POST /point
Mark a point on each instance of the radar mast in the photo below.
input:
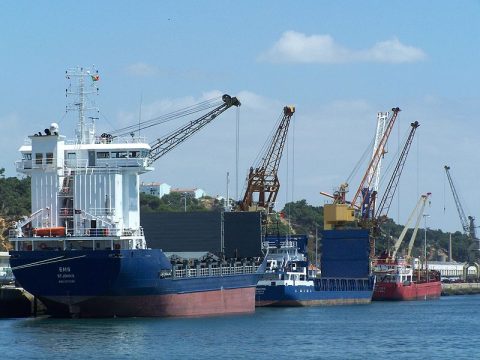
(83, 82)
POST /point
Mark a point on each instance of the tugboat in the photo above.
(83, 253)
(291, 281)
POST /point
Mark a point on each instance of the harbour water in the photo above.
(439, 329)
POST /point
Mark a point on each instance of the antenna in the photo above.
(140, 113)
(81, 89)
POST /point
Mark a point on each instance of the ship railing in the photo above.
(44, 165)
(94, 242)
(66, 212)
(343, 284)
(121, 140)
(132, 232)
(106, 164)
(23, 165)
(99, 232)
(122, 162)
(76, 163)
(106, 211)
(215, 271)
(109, 140)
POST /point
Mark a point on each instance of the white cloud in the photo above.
(392, 51)
(295, 47)
(142, 69)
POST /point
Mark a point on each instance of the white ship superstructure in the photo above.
(86, 188)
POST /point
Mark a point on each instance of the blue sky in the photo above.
(339, 62)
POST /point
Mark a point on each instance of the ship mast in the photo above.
(84, 132)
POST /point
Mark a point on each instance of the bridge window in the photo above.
(103, 155)
(27, 156)
(49, 158)
(38, 158)
(119, 154)
(134, 154)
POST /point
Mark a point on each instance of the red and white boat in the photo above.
(397, 279)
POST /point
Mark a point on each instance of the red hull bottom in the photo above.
(413, 291)
(207, 303)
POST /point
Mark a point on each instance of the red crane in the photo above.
(375, 160)
(387, 198)
(263, 178)
(342, 211)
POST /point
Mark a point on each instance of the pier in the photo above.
(460, 289)
(16, 302)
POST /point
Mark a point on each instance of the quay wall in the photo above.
(460, 289)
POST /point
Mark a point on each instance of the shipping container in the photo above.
(345, 253)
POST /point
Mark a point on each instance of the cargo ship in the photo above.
(398, 279)
(291, 281)
(83, 253)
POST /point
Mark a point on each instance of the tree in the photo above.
(173, 202)
(14, 203)
(303, 217)
(14, 196)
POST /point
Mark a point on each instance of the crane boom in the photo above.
(263, 179)
(374, 176)
(170, 141)
(468, 224)
(375, 159)
(419, 207)
(387, 198)
(369, 194)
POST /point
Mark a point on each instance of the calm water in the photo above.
(443, 329)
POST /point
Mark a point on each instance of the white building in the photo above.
(195, 192)
(155, 189)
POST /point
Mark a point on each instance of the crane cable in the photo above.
(258, 159)
(393, 161)
(360, 161)
(189, 110)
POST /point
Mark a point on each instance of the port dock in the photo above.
(460, 289)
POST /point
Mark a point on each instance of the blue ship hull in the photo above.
(320, 292)
(105, 283)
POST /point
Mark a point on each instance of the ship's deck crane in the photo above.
(165, 144)
(263, 178)
(341, 211)
(419, 208)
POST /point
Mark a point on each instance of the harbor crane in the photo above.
(342, 211)
(165, 144)
(374, 175)
(263, 177)
(386, 201)
(468, 223)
